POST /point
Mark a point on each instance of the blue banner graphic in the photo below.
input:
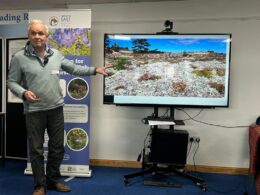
(72, 37)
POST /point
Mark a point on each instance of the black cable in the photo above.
(190, 118)
(188, 152)
(165, 115)
(210, 187)
(194, 165)
(211, 124)
(145, 145)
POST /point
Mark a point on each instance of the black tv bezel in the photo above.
(105, 97)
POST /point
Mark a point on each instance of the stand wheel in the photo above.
(126, 181)
(202, 186)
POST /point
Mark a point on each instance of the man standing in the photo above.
(34, 77)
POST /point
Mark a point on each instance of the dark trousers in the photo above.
(37, 123)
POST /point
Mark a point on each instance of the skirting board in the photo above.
(198, 168)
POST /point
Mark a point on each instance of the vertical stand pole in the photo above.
(156, 115)
(172, 117)
(2, 115)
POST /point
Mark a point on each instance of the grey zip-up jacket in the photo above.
(28, 72)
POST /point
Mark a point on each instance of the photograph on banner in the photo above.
(78, 88)
(69, 41)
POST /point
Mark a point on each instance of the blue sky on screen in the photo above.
(177, 44)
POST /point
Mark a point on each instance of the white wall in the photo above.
(117, 132)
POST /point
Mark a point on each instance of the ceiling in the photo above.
(42, 4)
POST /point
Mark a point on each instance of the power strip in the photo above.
(162, 183)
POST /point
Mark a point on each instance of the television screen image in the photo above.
(167, 69)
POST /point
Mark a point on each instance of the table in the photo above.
(2, 129)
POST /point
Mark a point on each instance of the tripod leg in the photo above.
(139, 173)
(198, 181)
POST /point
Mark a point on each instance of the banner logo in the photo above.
(54, 21)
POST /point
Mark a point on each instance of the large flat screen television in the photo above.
(183, 70)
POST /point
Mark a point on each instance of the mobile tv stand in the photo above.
(159, 161)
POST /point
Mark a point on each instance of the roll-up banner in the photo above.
(2, 97)
(2, 78)
(13, 23)
(70, 33)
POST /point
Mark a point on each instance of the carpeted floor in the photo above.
(110, 181)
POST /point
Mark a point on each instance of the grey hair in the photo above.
(38, 22)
